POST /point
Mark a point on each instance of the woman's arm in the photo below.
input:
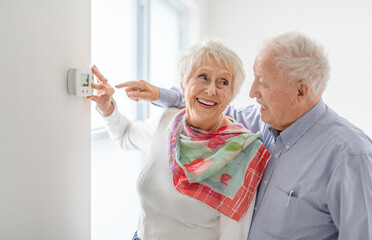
(231, 229)
(104, 92)
(130, 135)
(127, 134)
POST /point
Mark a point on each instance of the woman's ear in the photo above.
(182, 87)
(231, 95)
(183, 91)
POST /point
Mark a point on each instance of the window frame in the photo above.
(142, 40)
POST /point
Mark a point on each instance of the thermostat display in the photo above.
(79, 82)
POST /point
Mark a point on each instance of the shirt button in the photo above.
(265, 181)
(255, 208)
(287, 147)
(276, 155)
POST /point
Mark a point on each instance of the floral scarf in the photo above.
(220, 168)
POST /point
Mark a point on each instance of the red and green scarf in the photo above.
(220, 168)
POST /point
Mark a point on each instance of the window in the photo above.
(162, 69)
(128, 42)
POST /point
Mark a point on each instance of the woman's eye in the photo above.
(223, 82)
(203, 76)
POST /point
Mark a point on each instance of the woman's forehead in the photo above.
(211, 62)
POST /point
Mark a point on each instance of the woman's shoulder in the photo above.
(166, 117)
(169, 113)
(172, 111)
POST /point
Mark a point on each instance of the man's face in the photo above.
(276, 95)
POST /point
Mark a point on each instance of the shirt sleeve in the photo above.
(349, 197)
(172, 98)
(130, 135)
(231, 229)
(249, 116)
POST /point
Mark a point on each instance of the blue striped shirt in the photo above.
(318, 183)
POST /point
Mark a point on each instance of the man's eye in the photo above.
(260, 82)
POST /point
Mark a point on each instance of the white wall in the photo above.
(44, 132)
(343, 27)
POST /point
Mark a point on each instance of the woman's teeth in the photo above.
(206, 103)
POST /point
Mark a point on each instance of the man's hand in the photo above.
(103, 97)
(140, 90)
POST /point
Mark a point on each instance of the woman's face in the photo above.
(207, 92)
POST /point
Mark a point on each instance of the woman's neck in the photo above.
(206, 125)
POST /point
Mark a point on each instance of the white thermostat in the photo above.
(79, 82)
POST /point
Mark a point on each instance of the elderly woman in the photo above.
(201, 169)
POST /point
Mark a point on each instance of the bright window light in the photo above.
(116, 45)
(165, 43)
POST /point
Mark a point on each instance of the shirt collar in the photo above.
(297, 129)
(274, 132)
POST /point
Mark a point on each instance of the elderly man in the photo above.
(318, 183)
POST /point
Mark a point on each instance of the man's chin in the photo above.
(264, 116)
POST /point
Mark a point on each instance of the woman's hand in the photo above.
(140, 90)
(103, 97)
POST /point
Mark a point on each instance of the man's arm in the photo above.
(170, 98)
(142, 90)
(349, 197)
(249, 116)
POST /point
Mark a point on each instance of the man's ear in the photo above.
(304, 90)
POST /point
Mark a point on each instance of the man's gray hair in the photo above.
(204, 50)
(301, 58)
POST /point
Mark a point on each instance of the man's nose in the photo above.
(253, 93)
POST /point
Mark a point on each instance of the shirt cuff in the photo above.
(113, 114)
(170, 98)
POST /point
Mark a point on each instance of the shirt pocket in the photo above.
(281, 214)
(296, 218)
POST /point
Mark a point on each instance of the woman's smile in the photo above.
(207, 93)
(206, 103)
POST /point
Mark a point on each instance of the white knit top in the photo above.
(165, 213)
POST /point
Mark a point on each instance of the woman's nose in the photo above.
(211, 89)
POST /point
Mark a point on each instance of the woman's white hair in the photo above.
(204, 50)
(301, 58)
